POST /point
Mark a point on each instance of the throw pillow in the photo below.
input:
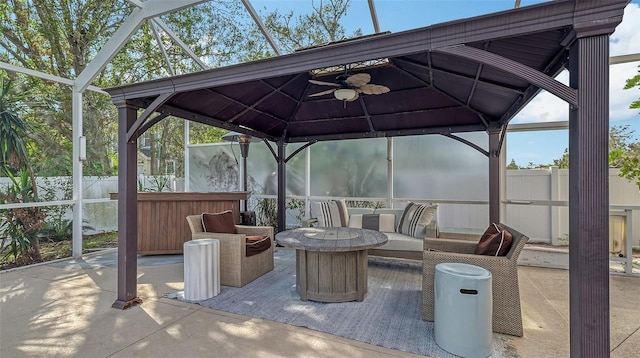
(378, 222)
(257, 244)
(331, 213)
(219, 222)
(415, 218)
(496, 241)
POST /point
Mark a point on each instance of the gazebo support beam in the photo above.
(127, 210)
(589, 196)
(282, 186)
(494, 175)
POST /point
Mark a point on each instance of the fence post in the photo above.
(555, 210)
(628, 267)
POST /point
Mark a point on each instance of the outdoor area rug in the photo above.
(390, 315)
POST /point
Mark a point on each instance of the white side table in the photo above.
(463, 310)
(201, 269)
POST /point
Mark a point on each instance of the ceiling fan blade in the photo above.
(358, 79)
(373, 89)
(354, 98)
(322, 83)
(322, 93)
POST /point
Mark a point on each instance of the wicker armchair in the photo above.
(507, 314)
(236, 269)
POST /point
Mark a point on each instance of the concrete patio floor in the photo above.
(63, 309)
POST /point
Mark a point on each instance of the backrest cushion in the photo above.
(415, 218)
(331, 213)
(397, 212)
(219, 222)
(352, 211)
(496, 241)
(378, 222)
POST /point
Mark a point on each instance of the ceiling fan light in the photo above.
(345, 94)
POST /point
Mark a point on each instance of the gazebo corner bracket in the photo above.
(159, 101)
(470, 144)
(303, 147)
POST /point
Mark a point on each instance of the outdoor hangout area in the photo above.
(344, 196)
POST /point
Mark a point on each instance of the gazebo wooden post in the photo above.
(495, 175)
(127, 209)
(282, 186)
(589, 191)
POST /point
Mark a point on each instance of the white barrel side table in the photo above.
(463, 309)
(201, 269)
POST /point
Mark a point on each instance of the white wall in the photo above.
(525, 188)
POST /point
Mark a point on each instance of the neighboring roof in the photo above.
(460, 76)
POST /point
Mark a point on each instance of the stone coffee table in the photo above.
(331, 262)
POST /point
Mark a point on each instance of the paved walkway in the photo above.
(63, 309)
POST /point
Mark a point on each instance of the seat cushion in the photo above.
(331, 213)
(496, 241)
(378, 222)
(415, 219)
(257, 244)
(219, 222)
(400, 242)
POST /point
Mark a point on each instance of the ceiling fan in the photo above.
(348, 87)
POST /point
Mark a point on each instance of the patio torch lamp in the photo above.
(243, 140)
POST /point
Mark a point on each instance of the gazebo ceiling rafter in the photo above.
(536, 78)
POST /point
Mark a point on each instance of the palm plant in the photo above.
(21, 225)
(15, 159)
(12, 129)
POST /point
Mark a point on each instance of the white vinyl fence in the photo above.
(536, 204)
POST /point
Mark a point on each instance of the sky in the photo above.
(525, 148)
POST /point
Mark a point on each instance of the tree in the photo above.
(629, 159)
(563, 162)
(319, 27)
(513, 165)
(625, 154)
(60, 37)
(632, 83)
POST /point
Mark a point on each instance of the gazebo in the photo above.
(472, 75)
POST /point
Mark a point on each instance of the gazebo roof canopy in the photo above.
(469, 75)
(460, 76)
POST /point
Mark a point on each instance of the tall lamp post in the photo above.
(243, 140)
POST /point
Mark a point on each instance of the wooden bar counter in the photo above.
(162, 223)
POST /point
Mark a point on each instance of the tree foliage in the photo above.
(634, 82)
(61, 37)
(319, 27)
(12, 129)
(513, 165)
(562, 162)
(625, 154)
(19, 227)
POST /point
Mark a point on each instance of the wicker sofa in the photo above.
(398, 245)
(236, 268)
(507, 315)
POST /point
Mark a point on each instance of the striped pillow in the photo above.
(415, 218)
(331, 213)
